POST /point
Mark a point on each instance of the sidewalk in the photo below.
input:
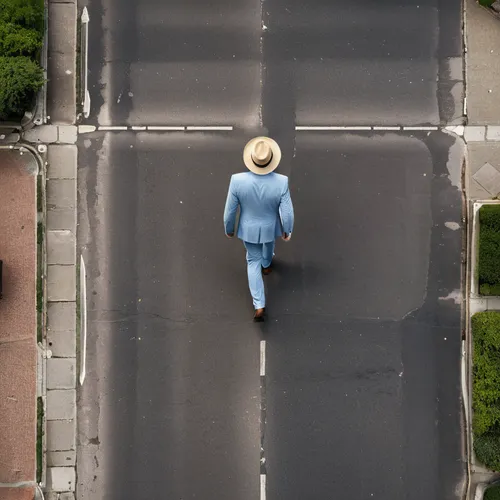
(483, 102)
(18, 325)
(482, 176)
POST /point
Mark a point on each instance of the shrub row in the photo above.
(486, 387)
(489, 250)
(21, 38)
(492, 493)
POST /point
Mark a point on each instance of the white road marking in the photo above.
(137, 127)
(165, 128)
(420, 128)
(262, 358)
(86, 129)
(196, 128)
(83, 320)
(346, 128)
(85, 34)
(333, 127)
(262, 487)
(111, 128)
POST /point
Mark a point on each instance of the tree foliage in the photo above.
(20, 79)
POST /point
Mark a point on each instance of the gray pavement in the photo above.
(61, 72)
(362, 389)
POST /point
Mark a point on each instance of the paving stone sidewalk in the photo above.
(61, 187)
(18, 324)
(482, 175)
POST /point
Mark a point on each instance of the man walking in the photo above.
(266, 212)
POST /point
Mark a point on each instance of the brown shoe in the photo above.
(259, 314)
(267, 270)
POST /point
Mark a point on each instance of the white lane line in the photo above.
(85, 45)
(420, 128)
(262, 487)
(333, 127)
(111, 128)
(138, 128)
(343, 128)
(262, 358)
(83, 320)
(196, 128)
(165, 128)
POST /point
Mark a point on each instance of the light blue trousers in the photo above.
(259, 255)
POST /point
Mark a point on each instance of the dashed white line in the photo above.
(200, 129)
(138, 128)
(110, 128)
(333, 127)
(165, 128)
(83, 320)
(347, 128)
(420, 128)
(262, 487)
(262, 358)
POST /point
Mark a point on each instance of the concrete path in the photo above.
(18, 325)
(482, 174)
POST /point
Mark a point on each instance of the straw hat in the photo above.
(262, 155)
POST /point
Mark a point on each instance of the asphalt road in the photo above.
(361, 394)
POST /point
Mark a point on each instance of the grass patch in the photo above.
(486, 3)
(39, 280)
(486, 387)
(492, 493)
(39, 439)
(489, 250)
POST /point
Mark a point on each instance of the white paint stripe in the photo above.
(136, 127)
(420, 128)
(165, 128)
(112, 128)
(262, 358)
(262, 487)
(83, 320)
(386, 128)
(333, 127)
(358, 128)
(196, 128)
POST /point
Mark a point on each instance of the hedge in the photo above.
(489, 250)
(16, 40)
(27, 13)
(492, 493)
(20, 78)
(21, 36)
(486, 387)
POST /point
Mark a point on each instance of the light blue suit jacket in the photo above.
(266, 210)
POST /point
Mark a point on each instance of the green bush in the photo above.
(486, 387)
(20, 79)
(27, 13)
(486, 371)
(492, 493)
(16, 40)
(489, 250)
(21, 37)
(487, 449)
